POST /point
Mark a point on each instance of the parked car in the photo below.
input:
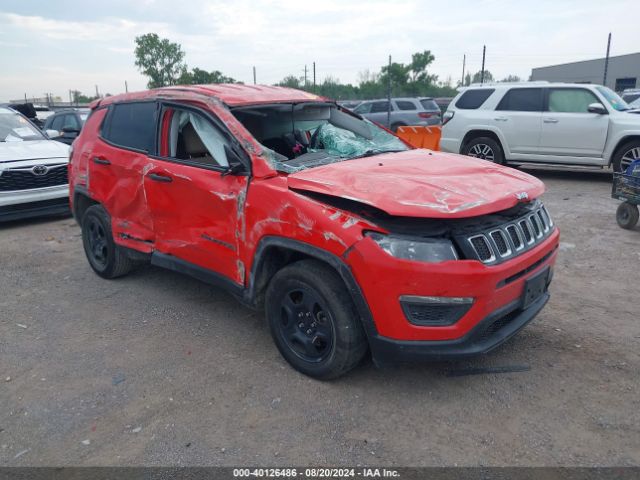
(33, 170)
(350, 104)
(631, 95)
(404, 111)
(541, 122)
(67, 123)
(349, 239)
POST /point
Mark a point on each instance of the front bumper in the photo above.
(383, 282)
(494, 330)
(34, 203)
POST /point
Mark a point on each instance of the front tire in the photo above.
(105, 257)
(626, 154)
(313, 321)
(484, 148)
(627, 215)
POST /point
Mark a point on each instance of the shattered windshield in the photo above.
(306, 135)
(15, 128)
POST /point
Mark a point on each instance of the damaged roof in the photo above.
(232, 94)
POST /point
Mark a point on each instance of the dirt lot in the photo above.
(159, 369)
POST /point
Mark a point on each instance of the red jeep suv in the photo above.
(351, 240)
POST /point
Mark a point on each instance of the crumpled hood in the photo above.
(32, 149)
(420, 183)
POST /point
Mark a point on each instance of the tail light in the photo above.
(447, 117)
(425, 115)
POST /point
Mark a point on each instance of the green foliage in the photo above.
(412, 79)
(511, 78)
(159, 59)
(198, 76)
(488, 77)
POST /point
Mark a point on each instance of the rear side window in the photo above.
(522, 100)
(472, 99)
(429, 104)
(379, 107)
(132, 125)
(405, 105)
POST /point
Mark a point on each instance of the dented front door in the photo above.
(197, 215)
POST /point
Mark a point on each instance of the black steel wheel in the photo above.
(627, 215)
(313, 320)
(105, 257)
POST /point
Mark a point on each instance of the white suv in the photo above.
(541, 122)
(33, 170)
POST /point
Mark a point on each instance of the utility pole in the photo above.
(314, 75)
(25, 98)
(305, 76)
(126, 87)
(97, 93)
(389, 95)
(484, 51)
(606, 61)
(254, 75)
(464, 62)
(70, 101)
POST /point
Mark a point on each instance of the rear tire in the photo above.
(484, 148)
(626, 154)
(105, 257)
(313, 320)
(394, 127)
(627, 215)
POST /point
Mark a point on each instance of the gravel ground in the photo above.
(159, 369)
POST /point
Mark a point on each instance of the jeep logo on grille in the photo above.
(40, 170)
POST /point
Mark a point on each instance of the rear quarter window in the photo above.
(428, 104)
(405, 105)
(472, 99)
(132, 125)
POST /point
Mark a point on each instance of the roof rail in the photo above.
(493, 84)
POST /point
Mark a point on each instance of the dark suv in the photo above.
(347, 237)
(67, 123)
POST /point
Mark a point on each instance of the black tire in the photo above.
(627, 215)
(625, 155)
(105, 257)
(485, 148)
(394, 127)
(331, 340)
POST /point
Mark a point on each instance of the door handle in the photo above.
(550, 120)
(501, 119)
(101, 161)
(160, 178)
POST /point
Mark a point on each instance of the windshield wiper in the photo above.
(371, 153)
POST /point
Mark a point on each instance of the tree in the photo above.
(198, 76)
(159, 59)
(291, 81)
(488, 77)
(511, 78)
(418, 67)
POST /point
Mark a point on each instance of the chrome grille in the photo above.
(27, 178)
(513, 238)
(483, 248)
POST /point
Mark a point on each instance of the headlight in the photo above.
(421, 250)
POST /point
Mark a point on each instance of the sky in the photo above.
(54, 46)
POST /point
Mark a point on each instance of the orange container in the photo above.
(421, 137)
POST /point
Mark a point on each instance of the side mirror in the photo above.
(53, 133)
(70, 130)
(235, 163)
(597, 108)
